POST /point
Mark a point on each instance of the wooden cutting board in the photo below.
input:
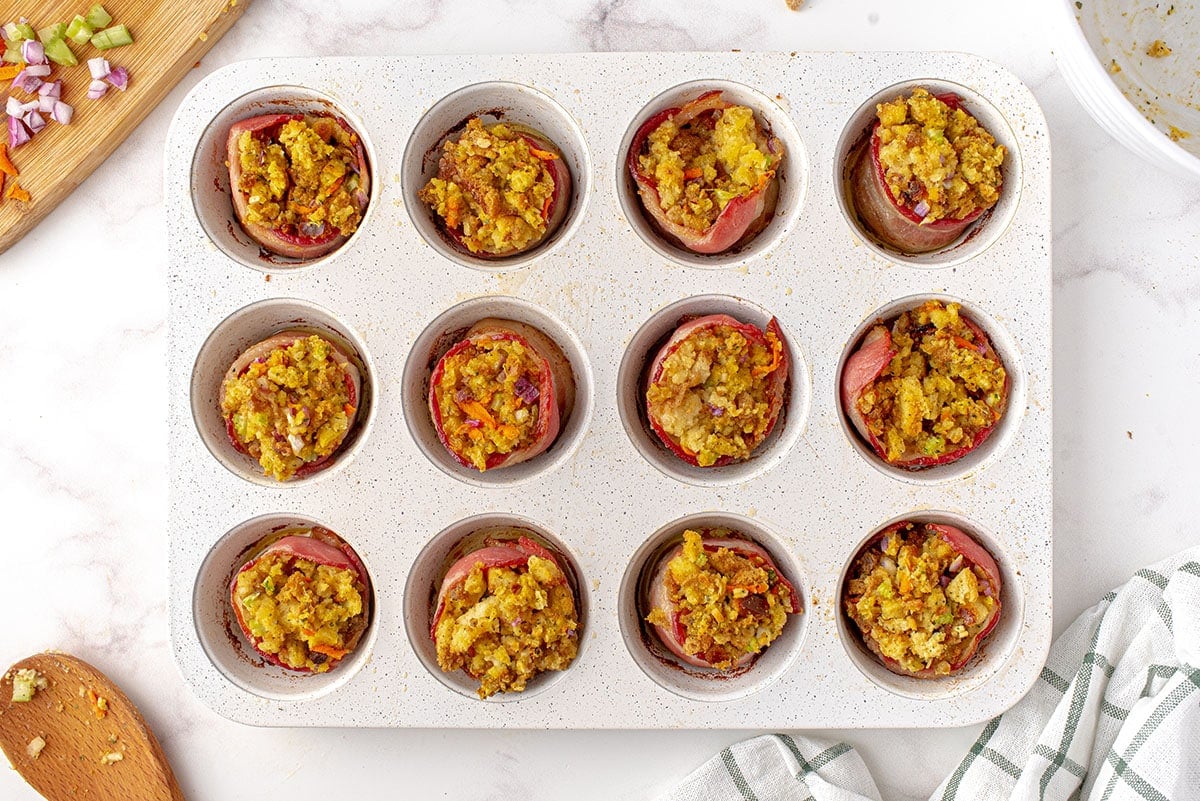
(169, 38)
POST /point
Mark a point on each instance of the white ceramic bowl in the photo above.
(1151, 105)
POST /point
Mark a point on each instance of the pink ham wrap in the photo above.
(740, 220)
(555, 388)
(674, 633)
(895, 223)
(290, 241)
(319, 546)
(867, 364)
(974, 554)
(259, 352)
(777, 378)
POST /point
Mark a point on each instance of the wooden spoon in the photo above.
(97, 746)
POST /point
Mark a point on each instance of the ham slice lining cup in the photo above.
(972, 554)
(555, 391)
(741, 220)
(893, 223)
(776, 388)
(672, 635)
(260, 351)
(322, 547)
(280, 241)
(867, 363)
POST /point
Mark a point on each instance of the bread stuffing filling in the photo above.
(506, 625)
(942, 389)
(291, 408)
(714, 394)
(305, 613)
(302, 180)
(919, 601)
(488, 396)
(728, 604)
(702, 165)
(494, 189)
(938, 161)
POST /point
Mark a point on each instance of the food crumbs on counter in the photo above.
(26, 683)
(794, 5)
(112, 757)
(1175, 134)
(1114, 67)
(1158, 49)
(99, 704)
(203, 36)
(34, 749)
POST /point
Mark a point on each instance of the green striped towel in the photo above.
(1115, 716)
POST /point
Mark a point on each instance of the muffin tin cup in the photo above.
(607, 494)
(997, 649)
(979, 235)
(424, 581)
(493, 102)
(664, 668)
(1005, 429)
(209, 180)
(227, 647)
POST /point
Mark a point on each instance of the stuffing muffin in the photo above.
(302, 600)
(299, 182)
(706, 173)
(926, 172)
(926, 388)
(290, 401)
(505, 613)
(923, 596)
(715, 389)
(500, 396)
(500, 189)
(717, 600)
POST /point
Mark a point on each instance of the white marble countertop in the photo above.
(82, 319)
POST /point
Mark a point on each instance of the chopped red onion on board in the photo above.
(99, 68)
(51, 89)
(62, 113)
(119, 78)
(97, 89)
(18, 134)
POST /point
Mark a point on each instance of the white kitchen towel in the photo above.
(1115, 716)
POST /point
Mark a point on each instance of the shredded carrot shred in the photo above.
(9, 71)
(328, 650)
(962, 343)
(6, 165)
(776, 357)
(16, 192)
(476, 410)
(544, 155)
(693, 172)
(99, 704)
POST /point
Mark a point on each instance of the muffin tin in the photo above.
(606, 288)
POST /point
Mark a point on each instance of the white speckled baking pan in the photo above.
(606, 290)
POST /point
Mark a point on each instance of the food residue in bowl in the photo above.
(26, 683)
(1158, 49)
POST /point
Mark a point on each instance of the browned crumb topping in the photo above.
(494, 188)
(291, 408)
(714, 393)
(918, 600)
(304, 179)
(939, 391)
(729, 605)
(504, 626)
(938, 161)
(701, 166)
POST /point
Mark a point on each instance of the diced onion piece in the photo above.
(12, 106)
(38, 70)
(99, 68)
(33, 52)
(51, 89)
(46, 103)
(62, 113)
(35, 121)
(18, 134)
(119, 78)
(96, 90)
(26, 82)
(32, 105)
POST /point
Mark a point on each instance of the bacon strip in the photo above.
(279, 240)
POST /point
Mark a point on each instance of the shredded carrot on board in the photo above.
(9, 71)
(6, 165)
(17, 193)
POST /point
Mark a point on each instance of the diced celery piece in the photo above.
(58, 51)
(98, 18)
(12, 54)
(79, 31)
(51, 32)
(116, 36)
(18, 31)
